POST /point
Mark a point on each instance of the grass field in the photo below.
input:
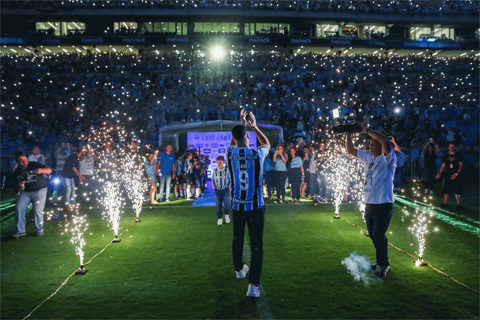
(177, 263)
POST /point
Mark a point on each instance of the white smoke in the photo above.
(359, 267)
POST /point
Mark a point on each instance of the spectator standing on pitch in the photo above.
(295, 174)
(401, 159)
(221, 185)
(312, 171)
(69, 173)
(151, 171)
(86, 167)
(380, 162)
(452, 166)
(166, 170)
(246, 169)
(179, 179)
(32, 188)
(280, 159)
(306, 180)
(268, 175)
(189, 178)
(430, 151)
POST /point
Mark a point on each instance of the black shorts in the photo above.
(179, 180)
(190, 179)
(452, 186)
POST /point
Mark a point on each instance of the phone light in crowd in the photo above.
(336, 113)
(397, 110)
(217, 52)
(56, 181)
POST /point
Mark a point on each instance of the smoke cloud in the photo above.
(359, 267)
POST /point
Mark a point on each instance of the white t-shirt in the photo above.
(379, 173)
(86, 165)
(39, 158)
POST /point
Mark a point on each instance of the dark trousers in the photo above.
(295, 178)
(429, 178)
(280, 178)
(255, 221)
(268, 175)
(378, 217)
(398, 178)
(313, 183)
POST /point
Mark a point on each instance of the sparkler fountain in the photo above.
(420, 222)
(133, 179)
(77, 226)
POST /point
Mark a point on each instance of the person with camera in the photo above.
(380, 163)
(151, 171)
(280, 159)
(246, 172)
(32, 188)
(295, 174)
(430, 150)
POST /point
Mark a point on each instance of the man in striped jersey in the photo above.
(246, 169)
(221, 185)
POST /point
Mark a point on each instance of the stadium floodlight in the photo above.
(217, 52)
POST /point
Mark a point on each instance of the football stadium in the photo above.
(237, 159)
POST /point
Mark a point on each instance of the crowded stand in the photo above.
(54, 97)
(399, 7)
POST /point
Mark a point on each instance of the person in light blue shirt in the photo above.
(268, 174)
(166, 170)
(280, 159)
(295, 174)
(151, 171)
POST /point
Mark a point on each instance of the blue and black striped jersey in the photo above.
(246, 173)
(221, 178)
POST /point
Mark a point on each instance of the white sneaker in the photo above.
(168, 200)
(220, 222)
(227, 218)
(242, 273)
(253, 291)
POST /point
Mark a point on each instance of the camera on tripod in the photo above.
(345, 124)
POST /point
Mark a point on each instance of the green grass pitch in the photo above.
(176, 264)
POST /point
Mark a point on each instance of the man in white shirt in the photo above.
(380, 163)
(87, 169)
(37, 156)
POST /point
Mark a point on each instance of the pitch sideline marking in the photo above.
(72, 274)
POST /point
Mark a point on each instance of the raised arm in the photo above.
(349, 146)
(261, 137)
(378, 136)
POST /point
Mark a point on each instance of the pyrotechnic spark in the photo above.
(77, 227)
(133, 179)
(420, 220)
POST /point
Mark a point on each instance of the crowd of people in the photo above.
(53, 97)
(416, 7)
